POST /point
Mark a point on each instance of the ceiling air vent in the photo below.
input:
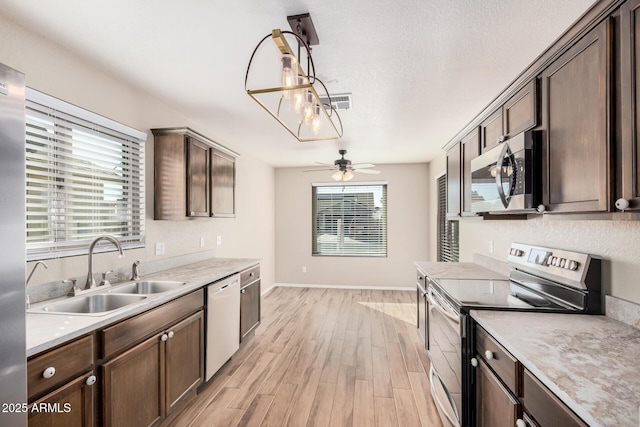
(339, 101)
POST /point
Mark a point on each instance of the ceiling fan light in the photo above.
(347, 176)
(337, 176)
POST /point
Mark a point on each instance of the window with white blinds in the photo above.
(350, 219)
(447, 230)
(85, 177)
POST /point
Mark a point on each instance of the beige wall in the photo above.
(407, 212)
(53, 70)
(616, 242)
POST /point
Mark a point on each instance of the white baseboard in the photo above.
(375, 288)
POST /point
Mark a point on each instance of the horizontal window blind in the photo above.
(349, 220)
(85, 177)
(447, 230)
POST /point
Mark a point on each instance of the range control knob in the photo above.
(562, 263)
(573, 265)
(552, 260)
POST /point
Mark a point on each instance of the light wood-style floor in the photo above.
(324, 357)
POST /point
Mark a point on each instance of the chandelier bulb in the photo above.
(289, 72)
(315, 123)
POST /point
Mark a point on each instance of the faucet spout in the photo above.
(91, 283)
(35, 266)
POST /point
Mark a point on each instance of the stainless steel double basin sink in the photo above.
(106, 300)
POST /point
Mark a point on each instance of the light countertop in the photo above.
(458, 270)
(589, 362)
(47, 330)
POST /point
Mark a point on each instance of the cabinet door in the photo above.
(470, 150)
(73, 404)
(197, 178)
(521, 110)
(491, 131)
(495, 405)
(223, 183)
(454, 181)
(576, 102)
(249, 308)
(184, 370)
(132, 386)
(629, 155)
(545, 407)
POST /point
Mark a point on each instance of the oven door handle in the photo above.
(436, 397)
(441, 309)
(506, 151)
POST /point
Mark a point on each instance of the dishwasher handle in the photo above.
(225, 287)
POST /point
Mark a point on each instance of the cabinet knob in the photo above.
(474, 362)
(243, 291)
(170, 334)
(49, 372)
(252, 274)
(541, 209)
(164, 337)
(622, 204)
(500, 139)
(91, 380)
(520, 423)
(488, 354)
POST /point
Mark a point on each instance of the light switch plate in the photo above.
(219, 240)
(159, 249)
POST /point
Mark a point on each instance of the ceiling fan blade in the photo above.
(363, 166)
(371, 171)
(325, 164)
(318, 170)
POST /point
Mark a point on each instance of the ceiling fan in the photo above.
(344, 169)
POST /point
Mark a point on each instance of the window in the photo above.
(85, 177)
(447, 230)
(350, 220)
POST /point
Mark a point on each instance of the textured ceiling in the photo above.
(419, 70)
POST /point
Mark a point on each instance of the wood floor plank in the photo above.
(256, 411)
(215, 410)
(385, 412)
(397, 367)
(342, 412)
(424, 403)
(350, 348)
(364, 359)
(408, 349)
(279, 410)
(250, 387)
(320, 415)
(274, 378)
(332, 362)
(303, 401)
(406, 409)
(381, 375)
(363, 404)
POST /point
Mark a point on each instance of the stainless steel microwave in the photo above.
(508, 178)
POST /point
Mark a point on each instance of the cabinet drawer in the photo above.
(544, 406)
(249, 275)
(122, 335)
(503, 364)
(69, 361)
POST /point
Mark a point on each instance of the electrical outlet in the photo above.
(304, 268)
(159, 248)
(202, 242)
(219, 240)
(491, 246)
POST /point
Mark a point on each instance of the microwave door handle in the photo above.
(503, 154)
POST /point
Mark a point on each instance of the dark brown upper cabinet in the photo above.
(576, 106)
(517, 114)
(470, 150)
(193, 176)
(454, 181)
(629, 154)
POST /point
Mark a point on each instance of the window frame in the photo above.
(384, 217)
(67, 144)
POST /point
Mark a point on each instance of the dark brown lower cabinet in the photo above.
(495, 405)
(69, 406)
(249, 308)
(545, 407)
(146, 383)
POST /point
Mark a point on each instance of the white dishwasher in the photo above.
(223, 322)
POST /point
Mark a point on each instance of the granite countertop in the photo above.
(589, 362)
(458, 270)
(46, 330)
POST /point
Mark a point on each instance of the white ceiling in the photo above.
(419, 70)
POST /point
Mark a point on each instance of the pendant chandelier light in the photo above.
(278, 80)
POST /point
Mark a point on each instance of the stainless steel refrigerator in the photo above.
(13, 363)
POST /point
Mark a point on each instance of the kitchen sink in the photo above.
(96, 304)
(148, 287)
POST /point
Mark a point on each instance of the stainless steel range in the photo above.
(541, 279)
